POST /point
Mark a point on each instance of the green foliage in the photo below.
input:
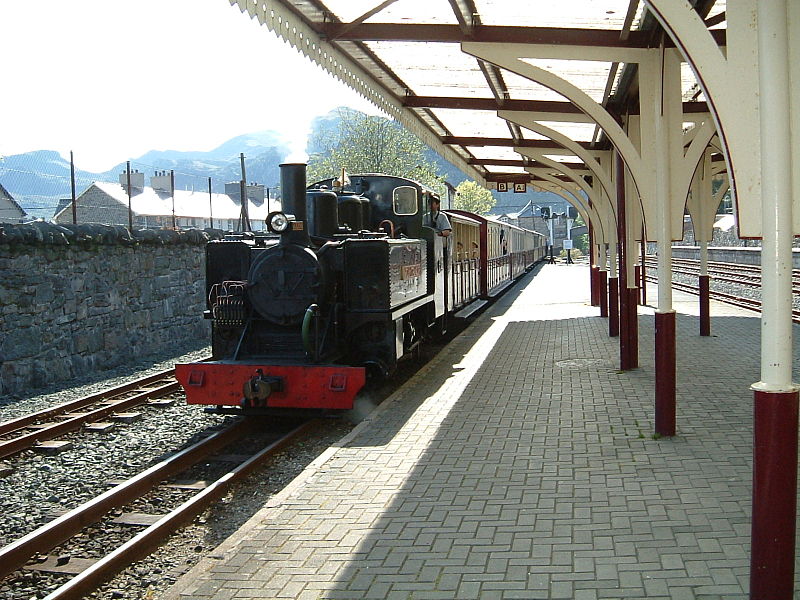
(575, 253)
(582, 243)
(473, 197)
(371, 144)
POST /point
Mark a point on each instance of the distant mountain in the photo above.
(249, 144)
(38, 179)
(263, 150)
(46, 178)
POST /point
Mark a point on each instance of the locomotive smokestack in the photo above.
(293, 190)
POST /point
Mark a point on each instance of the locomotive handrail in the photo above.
(311, 314)
(391, 227)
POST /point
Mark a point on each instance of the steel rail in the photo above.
(149, 539)
(745, 275)
(21, 422)
(27, 440)
(45, 538)
(740, 301)
(721, 266)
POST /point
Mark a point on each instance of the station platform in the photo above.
(521, 463)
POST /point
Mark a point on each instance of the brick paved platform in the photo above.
(520, 463)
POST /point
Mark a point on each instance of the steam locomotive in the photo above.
(348, 281)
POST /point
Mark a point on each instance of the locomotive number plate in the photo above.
(410, 271)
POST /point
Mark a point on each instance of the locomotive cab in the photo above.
(397, 207)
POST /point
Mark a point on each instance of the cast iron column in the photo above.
(775, 396)
(665, 315)
(704, 283)
(613, 293)
(626, 350)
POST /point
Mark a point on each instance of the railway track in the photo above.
(37, 428)
(86, 574)
(745, 276)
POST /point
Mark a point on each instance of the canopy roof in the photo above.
(407, 57)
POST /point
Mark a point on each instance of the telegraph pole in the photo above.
(210, 206)
(72, 182)
(130, 210)
(172, 189)
(245, 218)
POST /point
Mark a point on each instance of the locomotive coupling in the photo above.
(258, 388)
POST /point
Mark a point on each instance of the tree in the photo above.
(474, 198)
(370, 144)
(582, 243)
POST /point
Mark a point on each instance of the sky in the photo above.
(111, 80)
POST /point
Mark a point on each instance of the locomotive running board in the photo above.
(499, 289)
(470, 309)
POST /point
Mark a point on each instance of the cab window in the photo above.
(404, 200)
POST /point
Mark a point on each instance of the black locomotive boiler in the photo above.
(348, 280)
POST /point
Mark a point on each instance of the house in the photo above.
(530, 218)
(155, 206)
(10, 211)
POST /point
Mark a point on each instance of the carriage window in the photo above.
(404, 200)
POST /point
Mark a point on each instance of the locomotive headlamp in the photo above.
(277, 222)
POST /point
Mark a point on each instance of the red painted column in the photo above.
(613, 307)
(774, 495)
(665, 374)
(705, 304)
(624, 295)
(638, 279)
(603, 293)
(624, 316)
(633, 328)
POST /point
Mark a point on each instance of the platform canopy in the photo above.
(414, 59)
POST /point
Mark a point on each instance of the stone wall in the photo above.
(73, 303)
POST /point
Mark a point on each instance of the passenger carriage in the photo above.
(504, 251)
